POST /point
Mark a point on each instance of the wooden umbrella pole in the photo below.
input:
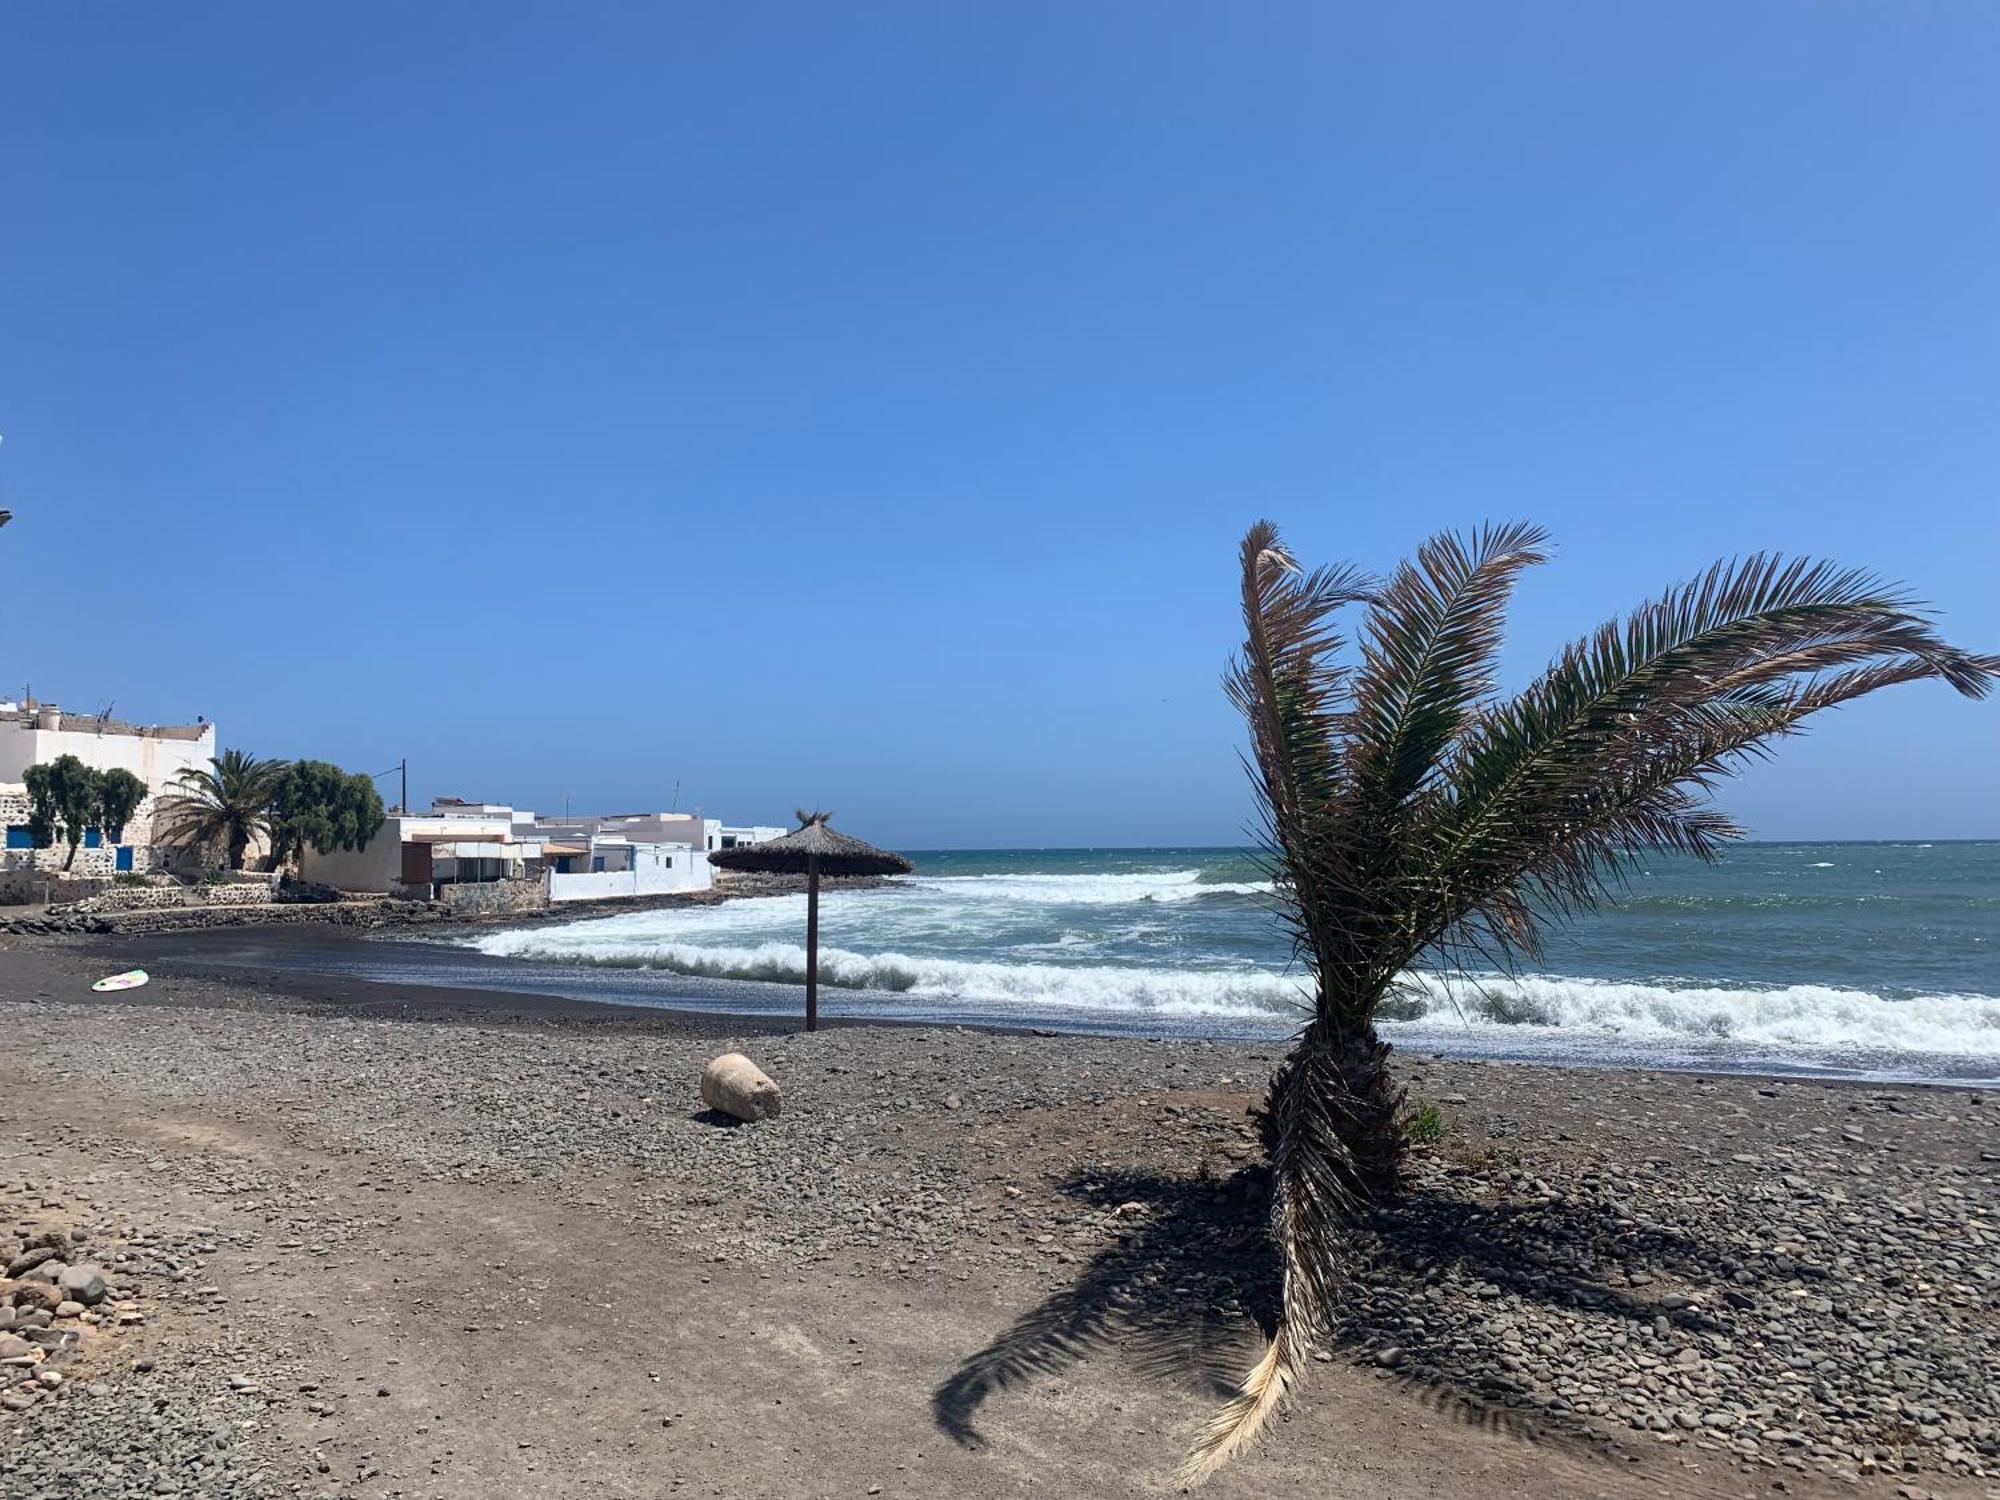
(812, 943)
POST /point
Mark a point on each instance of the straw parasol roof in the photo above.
(812, 842)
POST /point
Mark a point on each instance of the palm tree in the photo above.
(1412, 819)
(228, 804)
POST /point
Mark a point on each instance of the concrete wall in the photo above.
(684, 869)
(376, 867)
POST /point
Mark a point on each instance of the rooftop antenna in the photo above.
(675, 805)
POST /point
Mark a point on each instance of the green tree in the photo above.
(228, 805)
(65, 796)
(1413, 819)
(319, 806)
(119, 794)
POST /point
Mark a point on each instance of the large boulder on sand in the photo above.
(737, 1086)
(83, 1284)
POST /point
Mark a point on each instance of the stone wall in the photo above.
(163, 897)
(20, 887)
(495, 897)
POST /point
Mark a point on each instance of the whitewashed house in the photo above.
(455, 843)
(627, 854)
(34, 734)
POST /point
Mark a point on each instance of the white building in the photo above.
(628, 854)
(461, 843)
(33, 734)
(737, 835)
(455, 843)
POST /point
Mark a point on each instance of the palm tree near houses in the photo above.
(227, 806)
(1414, 819)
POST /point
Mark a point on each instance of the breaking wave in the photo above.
(1819, 1017)
(1180, 992)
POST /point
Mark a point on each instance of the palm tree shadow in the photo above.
(1182, 1296)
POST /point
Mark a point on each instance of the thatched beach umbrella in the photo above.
(812, 850)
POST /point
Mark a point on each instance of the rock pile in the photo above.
(51, 1294)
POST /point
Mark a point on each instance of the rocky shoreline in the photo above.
(1777, 1286)
(369, 914)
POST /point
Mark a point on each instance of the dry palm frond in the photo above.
(1317, 1188)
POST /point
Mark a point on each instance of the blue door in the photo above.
(124, 856)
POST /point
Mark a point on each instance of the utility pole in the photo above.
(401, 768)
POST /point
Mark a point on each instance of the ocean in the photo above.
(1868, 960)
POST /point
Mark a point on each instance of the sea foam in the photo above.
(1818, 1017)
(1126, 945)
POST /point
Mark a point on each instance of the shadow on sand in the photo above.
(1186, 1296)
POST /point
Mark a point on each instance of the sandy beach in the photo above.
(372, 1241)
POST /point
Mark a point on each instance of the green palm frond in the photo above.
(1602, 757)
(1427, 654)
(1410, 819)
(229, 804)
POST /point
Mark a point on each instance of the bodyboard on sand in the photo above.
(131, 979)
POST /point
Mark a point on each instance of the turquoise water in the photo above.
(1869, 958)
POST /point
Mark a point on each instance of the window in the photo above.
(18, 836)
(92, 838)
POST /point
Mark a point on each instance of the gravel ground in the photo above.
(1791, 1282)
(108, 1411)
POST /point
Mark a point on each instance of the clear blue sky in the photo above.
(860, 405)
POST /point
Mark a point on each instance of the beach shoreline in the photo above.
(430, 973)
(1603, 1282)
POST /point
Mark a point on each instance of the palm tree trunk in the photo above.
(1335, 1141)
(1368, 1110)
(1333, 1130)
(1346, 1072)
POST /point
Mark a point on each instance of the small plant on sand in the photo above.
(1413, 819)
(1424, 1125)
